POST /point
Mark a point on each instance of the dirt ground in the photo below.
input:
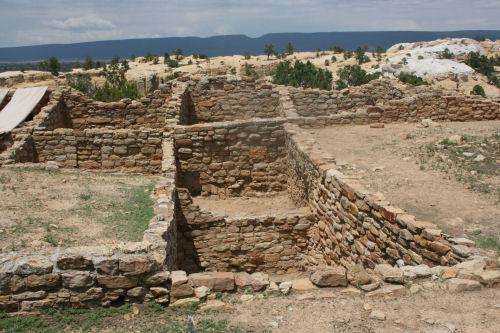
(432, 310)
(387, 160)
(256, 206)
(42, 209)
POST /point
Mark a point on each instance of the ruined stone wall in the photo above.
(231, 158)
(226, 98)
(270, 243)
(148, 112)
(352, 225)
(127, 150)
(102, 275)
(316, 102)
(380, 101)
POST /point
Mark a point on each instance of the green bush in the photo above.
(250, 71)
(478, 90)
(338, 49)
(353, 76)
(115, 88)
(447, 54)
(172, 63)
(412, 79)
(302, 75)
(480, 63)
(347, 54)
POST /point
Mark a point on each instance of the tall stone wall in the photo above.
(150, 111)
(270, 243)
(227, 98)
(231, 158)
(354, 226)
(127, 150)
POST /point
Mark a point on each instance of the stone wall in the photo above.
(316, 102)
(148, 112)
(226, 98)
(353, 225)
(126, 150)
(269, 243)
(231, 158)
(97, 276)
(380, 101)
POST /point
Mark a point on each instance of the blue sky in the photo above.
(28, 22)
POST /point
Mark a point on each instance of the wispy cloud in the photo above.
(25, 22)
(88, 22)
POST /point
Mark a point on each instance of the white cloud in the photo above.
(88, 22)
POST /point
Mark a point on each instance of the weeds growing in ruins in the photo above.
(151, 317)
(473, 160)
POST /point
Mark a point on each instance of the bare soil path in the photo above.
(433, 310)
(387, 160)
(254, 206)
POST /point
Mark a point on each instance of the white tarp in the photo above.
(20, 106)
(3, 93)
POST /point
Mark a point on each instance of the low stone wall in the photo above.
(380, 101)
(103, 275)
(227, 98)
(316, 102)
(148, 112)
(126, 150)
(354, 226)
(231, 158)
(267, 243)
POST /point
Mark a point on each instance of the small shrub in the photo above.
(420, 57)
(347, 54)
(353, 76)
(401, 47)
(447, 54)
(334, 59)
(327, 62)
(412, 79)
(478, 90)
(404, 61)
(338, 49)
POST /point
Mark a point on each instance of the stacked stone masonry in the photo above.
(221, 99)
(270, 243)
(203, 137)
(232, 158)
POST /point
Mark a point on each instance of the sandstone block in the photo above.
(77, 279)
(35, 265)
(391, 290)
(136, 265)
(459, 285)
(214, 280)
(117, 282)
(330, 277)
(157, 279)
(46, 280)
(244, 279)
(73, 261)
(389, 273)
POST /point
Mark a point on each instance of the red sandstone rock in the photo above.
(330, 277)
(244, 279)
(214, 280)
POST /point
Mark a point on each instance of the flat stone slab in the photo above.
(459, 285)
(218, 281)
